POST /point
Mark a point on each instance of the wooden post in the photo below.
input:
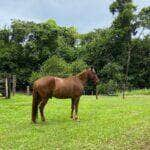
(123, 91)
(9, 86)
(14, 85)
(28, 90)
(96, 93)
(84, 92)
(6, 87)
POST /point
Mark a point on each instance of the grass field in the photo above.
(107, 123)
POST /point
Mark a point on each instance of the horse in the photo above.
(62, 88)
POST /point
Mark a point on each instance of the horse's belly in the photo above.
(62, 93)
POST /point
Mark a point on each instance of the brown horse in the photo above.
(71, 87)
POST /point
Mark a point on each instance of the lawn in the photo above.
(106, 123)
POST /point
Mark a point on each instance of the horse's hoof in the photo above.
(43, 120)
(34, 122)
(75, 118)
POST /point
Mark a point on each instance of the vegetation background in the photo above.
(30, 50)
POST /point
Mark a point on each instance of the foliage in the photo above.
(98, 49)
(124, 26)
(27, 45)
(78, 66)
(28, 48)
(144, 17)
(140, 60)
(112, 71)
(57, 66)
(108, 88)
(111, 79)
(54, 66)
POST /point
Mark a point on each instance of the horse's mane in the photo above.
(82, 75)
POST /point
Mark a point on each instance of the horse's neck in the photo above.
(82, 77)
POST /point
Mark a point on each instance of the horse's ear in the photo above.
(92, 68)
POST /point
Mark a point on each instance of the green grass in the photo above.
(106, 123)
(138, 92)
(135, 92)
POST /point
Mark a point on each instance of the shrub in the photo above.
(56, 66)
(109, 88)
(111, 79)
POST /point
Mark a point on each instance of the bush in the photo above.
(112, 71)
(56, 66)
(111, 79)
(109, 88)
(77, 66)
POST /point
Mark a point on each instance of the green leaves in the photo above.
(27, 45)
(124, 23)
(57, 66)
(48, 49)
(144, 17)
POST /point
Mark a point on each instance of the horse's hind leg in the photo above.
(41, 107)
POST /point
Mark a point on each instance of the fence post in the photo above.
(96, 93)
(14, 85)
(6, 87)
(28, 90)
(123, 91)
(9, 86)
(84, 92)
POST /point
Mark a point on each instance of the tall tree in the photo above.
(124, 27)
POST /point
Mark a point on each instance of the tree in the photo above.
(124, 26)
(98, 49)
(66, 44)
(144, 17)
(25, 46)
(140, 69)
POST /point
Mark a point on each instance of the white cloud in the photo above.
(84, 14)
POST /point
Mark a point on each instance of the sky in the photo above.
(85, 15)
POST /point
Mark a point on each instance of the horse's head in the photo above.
(92, 75)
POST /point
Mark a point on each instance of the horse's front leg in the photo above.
(76, 104)
(41, 107)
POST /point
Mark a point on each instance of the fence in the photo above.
(7, 84)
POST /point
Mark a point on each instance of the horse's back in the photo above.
(58, 87)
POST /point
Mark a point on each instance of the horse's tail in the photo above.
(35, 105)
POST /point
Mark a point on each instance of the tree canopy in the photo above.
(31, 50)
